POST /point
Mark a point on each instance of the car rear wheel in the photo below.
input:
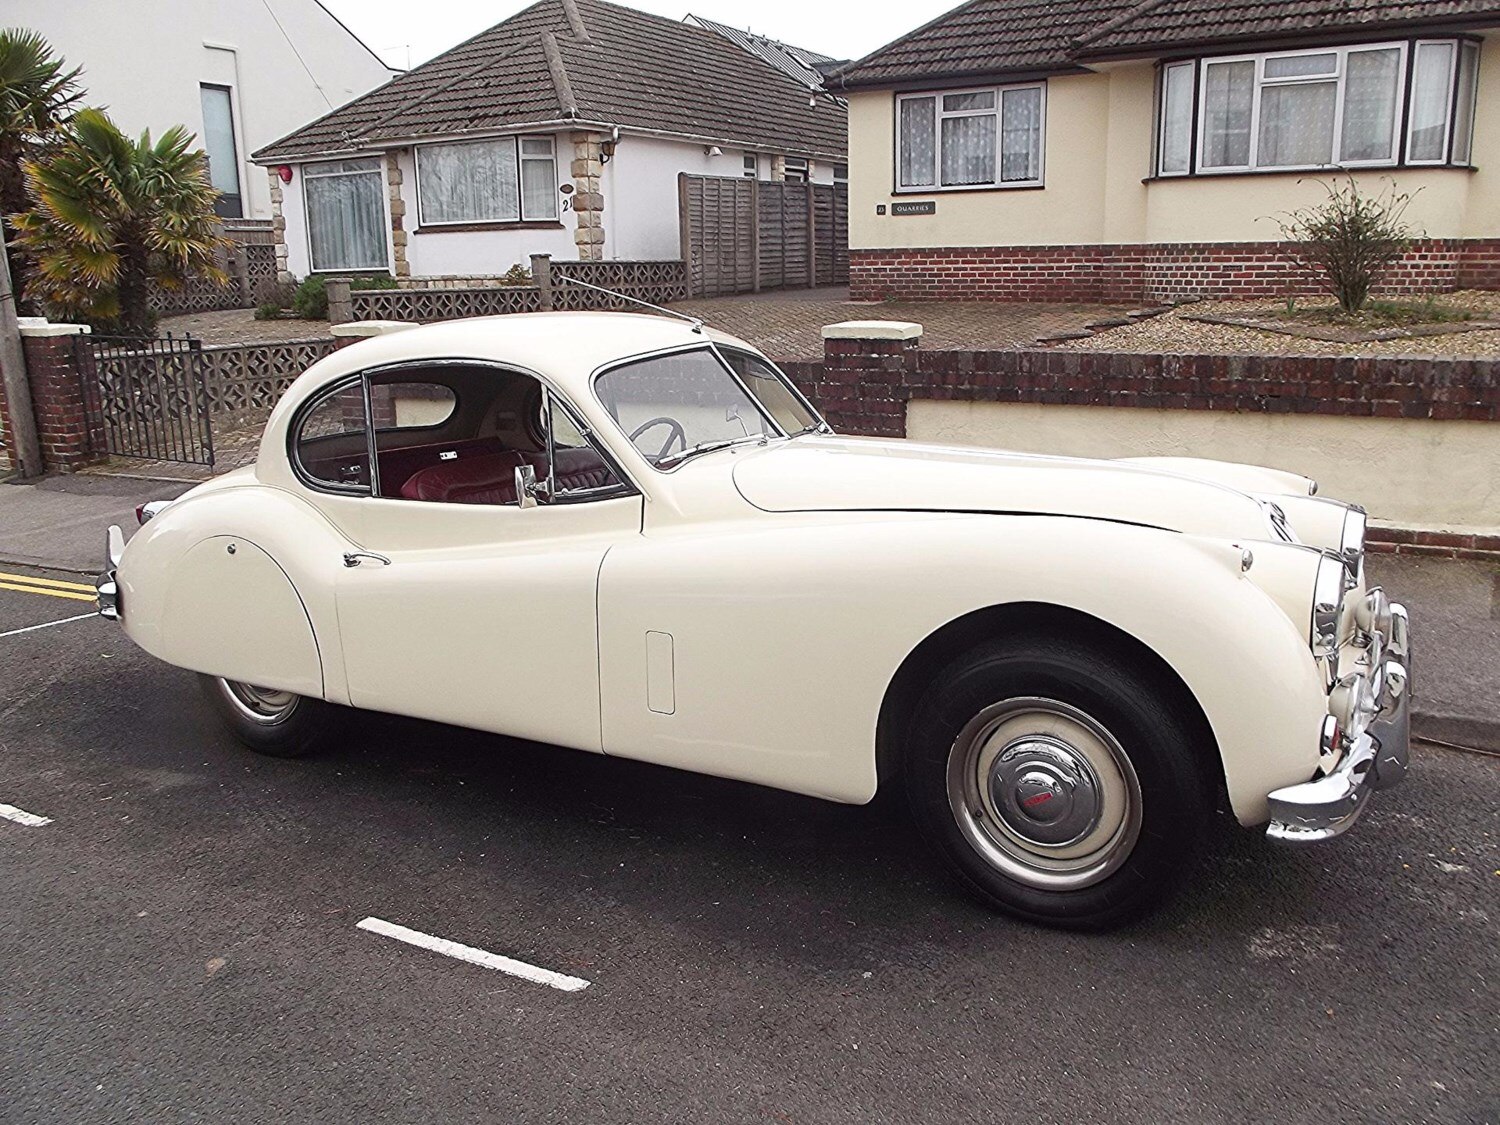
(1061, 785)
(279, 723)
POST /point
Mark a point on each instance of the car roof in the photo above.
(564, 346)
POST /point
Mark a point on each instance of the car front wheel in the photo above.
(1060, 784)
(279, 723)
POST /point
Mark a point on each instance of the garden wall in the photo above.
(1146, 272)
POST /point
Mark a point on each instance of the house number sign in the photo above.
(920, 207)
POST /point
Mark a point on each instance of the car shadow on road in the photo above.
(761, 854)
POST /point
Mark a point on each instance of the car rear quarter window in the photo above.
(330, 443)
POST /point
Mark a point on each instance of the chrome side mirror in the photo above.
(528, 489)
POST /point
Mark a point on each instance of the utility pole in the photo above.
(22, 438)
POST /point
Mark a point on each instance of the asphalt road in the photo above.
(179, 943)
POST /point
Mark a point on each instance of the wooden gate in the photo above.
(741, 235)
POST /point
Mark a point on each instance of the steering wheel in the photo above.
(676, 433)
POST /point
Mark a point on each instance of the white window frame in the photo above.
(998, 112)
(385, 210)
(520, 138)
(1339, 78)
(1449, 104)
(1161, 117)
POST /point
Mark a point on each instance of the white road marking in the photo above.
(474, 956)
(21, 816)
(47, 625)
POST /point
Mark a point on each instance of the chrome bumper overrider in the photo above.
(106, 586)
(1370, 719)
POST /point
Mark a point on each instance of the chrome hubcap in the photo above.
(260, 705)
(1044, 793)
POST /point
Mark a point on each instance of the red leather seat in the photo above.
(491, 479)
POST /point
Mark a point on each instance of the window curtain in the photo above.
(1429, 101)
(346, 220)
(1176, 119)
(1296, 125)
(1021, 136)
(1371, 87)
(918, 141)
(969, 150)
(1228, 89)
(469, 183)
(538, 179)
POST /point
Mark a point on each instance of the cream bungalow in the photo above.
(1025, 150)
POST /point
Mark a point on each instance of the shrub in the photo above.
(269, 310)
(1350, 240)
(516, 275)
(310, 301)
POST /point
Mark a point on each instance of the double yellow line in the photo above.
(76, 591)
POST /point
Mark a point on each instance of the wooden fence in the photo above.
(741, 235)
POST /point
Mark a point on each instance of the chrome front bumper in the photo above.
(1373, 726)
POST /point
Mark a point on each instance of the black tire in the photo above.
(280, 724)
(1043, 723)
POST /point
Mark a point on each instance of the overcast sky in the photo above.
(405, 33)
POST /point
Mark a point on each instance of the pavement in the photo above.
(788, 324)
(182, 939)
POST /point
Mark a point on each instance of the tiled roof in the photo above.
(1169, 23)
(999, 37)
(586, 61)
(796, 62)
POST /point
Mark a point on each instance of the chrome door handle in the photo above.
(352, 558)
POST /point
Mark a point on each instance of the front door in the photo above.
(484, 616)
(456, 602)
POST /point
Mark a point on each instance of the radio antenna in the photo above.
(693, 320)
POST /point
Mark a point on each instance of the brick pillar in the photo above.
(588, 196)
(398, 215)
(62, 425)
(869, 370)
(278, 226)
(340, 307)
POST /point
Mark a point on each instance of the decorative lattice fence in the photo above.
(655, 282)
(245, 380)
(443, 304)
(251, 265)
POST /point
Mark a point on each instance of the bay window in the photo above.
(1364, 105)
(959, 139)
(499, 180)
(346, 228)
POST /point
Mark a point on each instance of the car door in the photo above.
(477, 612)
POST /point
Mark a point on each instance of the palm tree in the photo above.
(112, 215)
(37, 95)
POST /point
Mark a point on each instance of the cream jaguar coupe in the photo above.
(631, 535)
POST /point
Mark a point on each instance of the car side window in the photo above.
(332, 441)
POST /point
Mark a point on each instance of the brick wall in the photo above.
(1144, 272)
(57, 400)
(863, 386)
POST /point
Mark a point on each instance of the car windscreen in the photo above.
(672, 405)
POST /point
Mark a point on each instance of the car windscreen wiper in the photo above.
(701, 447)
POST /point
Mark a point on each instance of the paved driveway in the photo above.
(788, 324)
